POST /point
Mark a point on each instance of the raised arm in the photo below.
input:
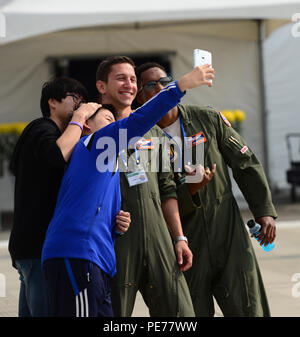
(145, 117)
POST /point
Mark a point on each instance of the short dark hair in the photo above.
(104, 67)
(145, 66)
(58, 88)
(109, 107)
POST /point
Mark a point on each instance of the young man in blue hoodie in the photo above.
(78, 255)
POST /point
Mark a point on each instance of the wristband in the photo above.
(76, 123)
(181, 238)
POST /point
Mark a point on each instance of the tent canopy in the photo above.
(28, 18)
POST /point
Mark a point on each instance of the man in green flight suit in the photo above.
(146, 260)
(224, 263)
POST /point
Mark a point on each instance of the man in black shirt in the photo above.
(38, 163)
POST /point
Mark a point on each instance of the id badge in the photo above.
(136, 178)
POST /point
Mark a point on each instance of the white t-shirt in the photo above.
(174, 130)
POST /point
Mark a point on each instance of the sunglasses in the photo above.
(149, 86)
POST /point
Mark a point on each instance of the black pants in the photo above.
(78, 288)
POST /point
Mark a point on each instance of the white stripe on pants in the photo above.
(82, 304)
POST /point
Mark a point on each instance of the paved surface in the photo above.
(280, 269)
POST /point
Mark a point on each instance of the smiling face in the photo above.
(121, 86)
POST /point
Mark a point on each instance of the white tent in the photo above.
(282, 82)
(36, 30)
(27, 18)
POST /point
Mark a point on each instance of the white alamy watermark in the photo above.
(2, 25)
(295, 31)
(296, 286)
(158, 154)
(2, 285)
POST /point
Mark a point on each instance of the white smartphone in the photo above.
(202, 57)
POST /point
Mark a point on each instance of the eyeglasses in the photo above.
(149, 86)
(75, 97)
(77, 100)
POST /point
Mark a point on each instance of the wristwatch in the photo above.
(181, 238)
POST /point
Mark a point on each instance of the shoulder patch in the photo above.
(226, 121)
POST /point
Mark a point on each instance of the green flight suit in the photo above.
(224, 263)
(145, 254)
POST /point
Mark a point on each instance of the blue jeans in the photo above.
(33, 298)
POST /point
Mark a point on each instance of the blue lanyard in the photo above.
(189, 160)
(137, 157)
(185, 143)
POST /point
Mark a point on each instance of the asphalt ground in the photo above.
(280, 269)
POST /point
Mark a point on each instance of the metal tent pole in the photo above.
(264, 115)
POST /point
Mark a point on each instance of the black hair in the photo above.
(109, 107)
(145, 66)
(58, 88)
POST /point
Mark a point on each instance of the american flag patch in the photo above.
(196, 139)
(226, 121)
(144, 144)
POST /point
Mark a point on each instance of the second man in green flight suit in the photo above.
(224, 263)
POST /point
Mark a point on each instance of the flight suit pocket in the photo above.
(252, 297)
(246, 282)
(156, 199)
(237, 149)
(162, 295)
(151, 294)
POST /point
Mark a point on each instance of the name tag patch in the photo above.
(144, 144)
(196, 139)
